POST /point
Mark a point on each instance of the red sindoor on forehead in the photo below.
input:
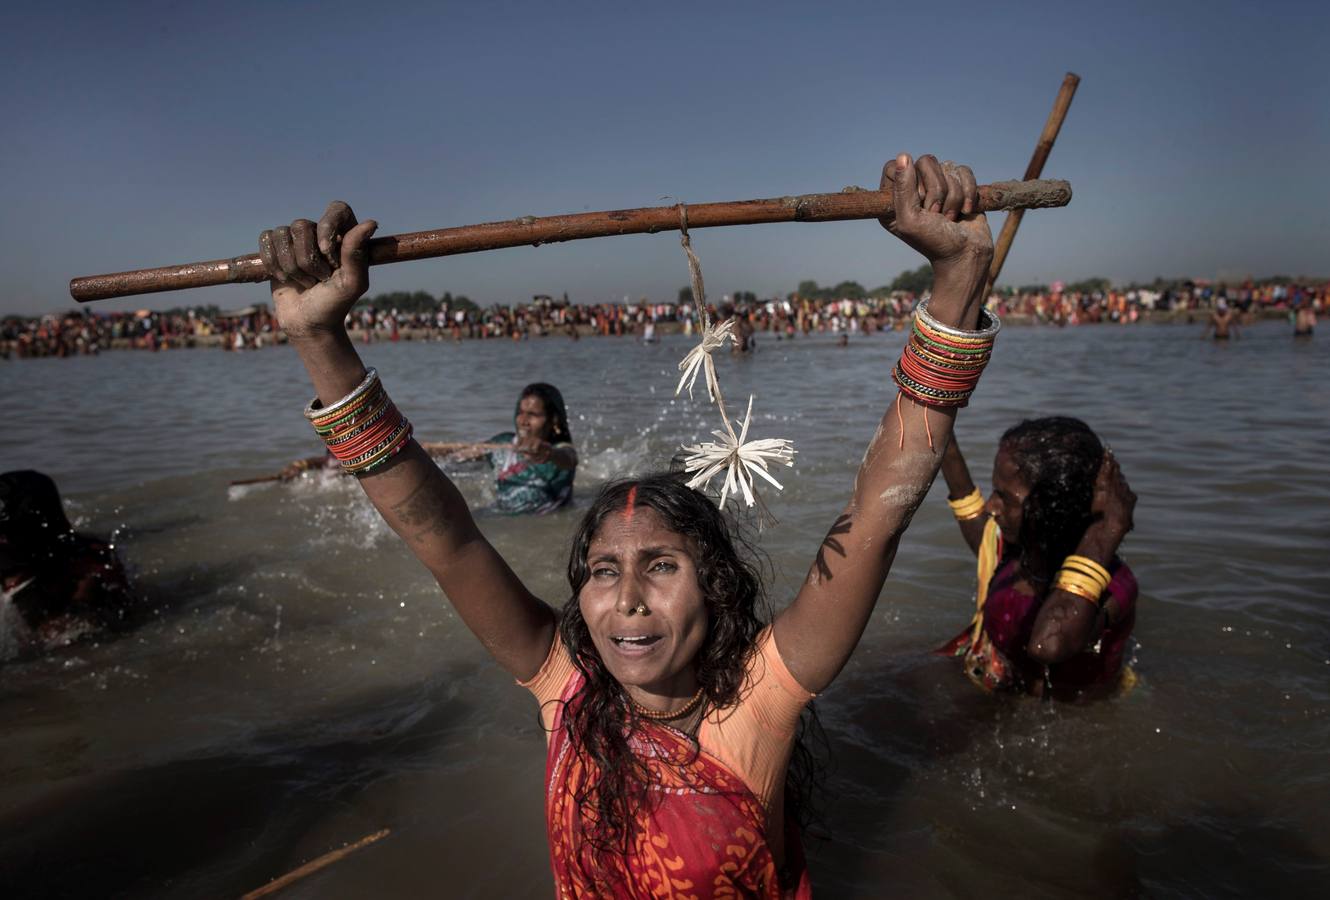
(631, 504)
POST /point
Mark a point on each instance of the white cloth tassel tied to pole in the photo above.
(733, 454)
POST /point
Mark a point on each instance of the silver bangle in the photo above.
(313, 412)
(986, 331)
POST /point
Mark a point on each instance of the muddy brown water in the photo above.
(303, 683)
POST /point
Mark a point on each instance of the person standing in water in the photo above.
(1222, 321)
(1304, 319)
(1055, 605)
(670, 698)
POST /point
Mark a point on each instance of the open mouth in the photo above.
(635, 643)
(638, 640)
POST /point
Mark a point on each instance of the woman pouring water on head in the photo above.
(671, 699)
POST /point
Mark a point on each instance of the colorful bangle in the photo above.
(364, 429)
(941, 365)
(971, 506)
(317, 414)
(985, 334)
(364, 408)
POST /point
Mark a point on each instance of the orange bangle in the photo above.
(1078, 587)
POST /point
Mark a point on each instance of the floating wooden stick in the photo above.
(433, 448)
(851, 203)
(1041, 150)
(438, 448)
(310, 868)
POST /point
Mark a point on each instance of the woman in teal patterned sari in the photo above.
(534, 473)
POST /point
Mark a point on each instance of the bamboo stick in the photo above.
(313, 866)
(1041, 150)
(851, 203)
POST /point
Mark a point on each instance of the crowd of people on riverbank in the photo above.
(88, 332)
(82, 332)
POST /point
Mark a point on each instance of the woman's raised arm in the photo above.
(966, 500)
(816, 634)
(318, 273)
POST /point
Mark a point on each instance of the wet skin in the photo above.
(1006, 502)
(532, 419)
(636, 561)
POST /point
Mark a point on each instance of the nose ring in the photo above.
(640, 609)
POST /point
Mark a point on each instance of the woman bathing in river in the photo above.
(1055, 604)
(534, 465)
(671, 706)
(57, 585)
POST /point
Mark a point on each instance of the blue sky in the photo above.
(153, 133)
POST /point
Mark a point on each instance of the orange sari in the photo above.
(702, 836)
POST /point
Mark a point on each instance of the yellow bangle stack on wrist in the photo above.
(1083, 577)
(971, 506)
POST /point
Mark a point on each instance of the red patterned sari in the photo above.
(703, 836)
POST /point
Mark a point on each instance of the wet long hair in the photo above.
(69, 572)
(600, 718)
(34, 531)
(1059, 458)
(555, 410)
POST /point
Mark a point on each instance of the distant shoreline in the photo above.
(1149, 317)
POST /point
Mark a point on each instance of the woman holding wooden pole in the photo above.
(671, 701)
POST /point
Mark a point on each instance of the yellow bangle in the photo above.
(971, 506)
(1089, 567)
(1079, 585)
(1079, 592)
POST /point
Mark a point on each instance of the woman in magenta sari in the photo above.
(671, 698)
(1055, 605)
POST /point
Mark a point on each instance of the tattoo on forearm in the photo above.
(832, 542)
(424, 512)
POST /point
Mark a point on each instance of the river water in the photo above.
(303, 683)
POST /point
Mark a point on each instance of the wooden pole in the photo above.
(313, 866)
(851, 203)
(1036, 166)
